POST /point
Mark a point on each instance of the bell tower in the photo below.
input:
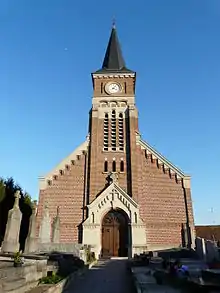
(113, 121)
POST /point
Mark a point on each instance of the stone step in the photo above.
(12, 272)
(12, 284)
(9, 272)
(40, 289)
(18, 286)
(25, 288)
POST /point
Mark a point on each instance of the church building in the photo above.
(115, 192)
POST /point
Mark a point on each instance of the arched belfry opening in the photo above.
(115, 234)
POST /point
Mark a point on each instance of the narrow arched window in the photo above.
(106, 166)
(122, 166)
(121, 132)
(113, 130)
(105, 132)
(113, 166)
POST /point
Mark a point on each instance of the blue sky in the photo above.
(48, 50)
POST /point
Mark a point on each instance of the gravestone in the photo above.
(11, 238)
(201, 248)
(56, 227)
(31, 240)
(45, 227)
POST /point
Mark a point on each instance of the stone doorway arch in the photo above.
(115, 234)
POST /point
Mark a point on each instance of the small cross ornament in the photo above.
(113, 177)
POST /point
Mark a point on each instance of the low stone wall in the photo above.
(73, 248)
(30, 269)
(20, 279)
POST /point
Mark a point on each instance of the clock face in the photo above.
(113, 88)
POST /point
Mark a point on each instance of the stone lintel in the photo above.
(187, 182)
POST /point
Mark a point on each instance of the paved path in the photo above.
(107, 276)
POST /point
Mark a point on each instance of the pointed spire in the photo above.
(113, 61)
(113, 56)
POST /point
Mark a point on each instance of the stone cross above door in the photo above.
(112, 177)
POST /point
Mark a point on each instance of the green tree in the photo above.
(27, 199)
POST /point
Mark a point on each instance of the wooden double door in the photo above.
(114, 234)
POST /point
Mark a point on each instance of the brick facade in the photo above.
(160, 196)
(161, 191)
(162, 203)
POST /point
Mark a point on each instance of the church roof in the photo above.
(113, 60)
(209, 232)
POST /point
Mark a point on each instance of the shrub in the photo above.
(53, 279)
(90, 255)
(18, 259)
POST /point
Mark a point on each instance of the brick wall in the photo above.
(162, 204)
(67, 192)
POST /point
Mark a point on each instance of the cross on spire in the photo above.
(113, 23)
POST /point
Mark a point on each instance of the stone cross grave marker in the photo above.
(45, 228)
(11, 238)
(31, 240)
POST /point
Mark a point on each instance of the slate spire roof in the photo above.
(114, 61)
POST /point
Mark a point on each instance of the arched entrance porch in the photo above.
(115, 234)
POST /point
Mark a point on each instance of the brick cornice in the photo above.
(112, 75)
